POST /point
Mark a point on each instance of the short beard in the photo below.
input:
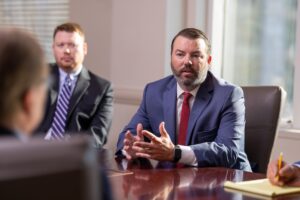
(190, 84)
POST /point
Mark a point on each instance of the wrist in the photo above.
(177, 154)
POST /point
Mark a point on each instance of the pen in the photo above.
(279, 165)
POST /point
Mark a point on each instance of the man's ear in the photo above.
(85, 48)
(209, 59)
(53, 46)
(27, 101)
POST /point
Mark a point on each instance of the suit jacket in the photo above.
(90, 107)
(216, 124)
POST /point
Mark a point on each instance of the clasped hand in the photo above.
(159, 148)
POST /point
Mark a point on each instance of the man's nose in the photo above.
(187, 60)
(67, 50)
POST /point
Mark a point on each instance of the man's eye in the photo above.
(72, 45)
(179, 54)
(60, 45)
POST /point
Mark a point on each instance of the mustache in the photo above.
(187, 68)
(67, 57)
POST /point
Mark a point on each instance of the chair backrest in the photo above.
(39, 169)
(263, 107)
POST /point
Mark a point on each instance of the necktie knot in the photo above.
(68, 81)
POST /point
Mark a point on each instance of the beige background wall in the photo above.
(129, 45)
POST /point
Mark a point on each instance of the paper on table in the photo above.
(262, 187)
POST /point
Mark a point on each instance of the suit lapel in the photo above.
(54, 86)
(203, 97)
(53, 94)
(82, 85)
(169, 107)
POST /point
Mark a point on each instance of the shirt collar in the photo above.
(73, 75)
(22, 136)
(180, 91)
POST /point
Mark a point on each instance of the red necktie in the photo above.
(184, 118)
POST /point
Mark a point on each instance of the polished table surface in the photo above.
(147, 179)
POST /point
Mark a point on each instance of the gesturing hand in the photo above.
(160, 148)
(130, 139)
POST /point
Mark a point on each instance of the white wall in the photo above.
(95, 18)
(287, 142)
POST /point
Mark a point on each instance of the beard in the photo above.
(193, 79)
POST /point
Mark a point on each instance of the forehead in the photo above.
(186, 44)
(63, 36)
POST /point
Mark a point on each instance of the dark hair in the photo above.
(192, 33)
(69, 27)
(21, 67)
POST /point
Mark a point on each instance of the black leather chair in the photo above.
(39, 169)
(263, 106)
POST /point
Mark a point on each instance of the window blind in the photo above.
(37, 16)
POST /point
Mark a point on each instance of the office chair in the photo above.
(39, 169)
(263, 106)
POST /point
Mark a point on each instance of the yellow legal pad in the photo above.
(261, 187)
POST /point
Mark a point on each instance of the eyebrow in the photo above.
(181, 51)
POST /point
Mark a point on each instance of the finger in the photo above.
(273, 168)
(129, 136)
(127, 141)
(139, 129)
(285, 171)
(128, 156)
(288, 171)
(163, 131)
(138, 149)
(151, 136)
(126, 147)
(143, 155)
(144, 145)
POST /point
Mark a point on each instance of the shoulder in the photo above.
(297, 163)
(53, 68)
(224, 87)
(166, 82)
(95, 79)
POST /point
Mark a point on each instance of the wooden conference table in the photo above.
(147, 179)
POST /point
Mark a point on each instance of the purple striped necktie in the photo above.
(60, 115)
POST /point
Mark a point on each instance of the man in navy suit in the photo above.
(23, 78)
(289, 174)
(89, 108)
(214, 132)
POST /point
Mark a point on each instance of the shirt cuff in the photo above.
(297, 165)
(188, 156)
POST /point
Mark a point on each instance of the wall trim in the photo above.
(289, 134)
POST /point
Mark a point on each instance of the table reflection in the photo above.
(184, 183)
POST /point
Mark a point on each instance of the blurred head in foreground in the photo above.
(23, 78)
